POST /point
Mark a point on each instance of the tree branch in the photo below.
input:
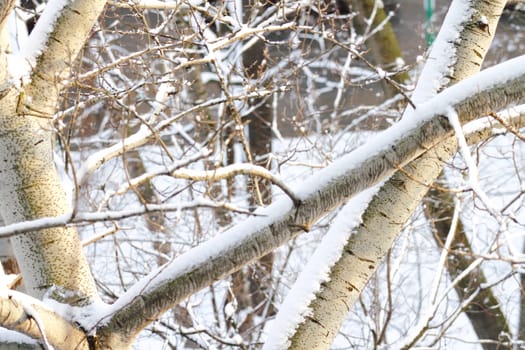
(52, 48)
(450, 60)
(218, 174)
(60, 333)
(492, 89)
(30, 185)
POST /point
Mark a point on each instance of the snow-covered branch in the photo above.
(215, 175)
(450, 59)
(21, 313)
(83, 217)
(145, 134)
(52, 48)
(492, 89)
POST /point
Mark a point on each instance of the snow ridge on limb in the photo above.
(21, 313)
(271, 227)
(453, 58)
(30, 185)
(52, 48)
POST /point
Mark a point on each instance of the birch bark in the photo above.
(30, 186)
(257, 236)
(397, 199)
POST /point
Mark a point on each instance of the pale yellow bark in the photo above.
(60, 333)
(29, 183)
(396, 200)
(170, 286)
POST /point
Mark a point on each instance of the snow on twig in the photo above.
(217, 174)
(30, 313)
(356, 171)
(473, 177)
(122, 60)
(145, 133)
(82, 217)
(33, 314)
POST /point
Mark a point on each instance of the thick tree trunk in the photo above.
(29, 183)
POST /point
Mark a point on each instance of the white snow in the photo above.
(381, 73)
(87, 316)
(473, 178)
(32, 313)
(38, 38)
(264, 217)
(6, 280)
(434, 74)
(26, 226)
(484, 20)
(438, 105)
(295, 307)
(9, 336)
(17, 29)
(206, 251)
(400, 62)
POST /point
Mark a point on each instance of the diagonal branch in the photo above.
(19, 312)
(457, 53)
(492, 89)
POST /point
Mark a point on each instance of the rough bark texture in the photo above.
(31, 187)
(362, 256)
(390, 208)
(61, 334)
(205, 269)
(29, 182)
(12, 315)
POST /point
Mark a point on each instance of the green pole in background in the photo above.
(429, 11)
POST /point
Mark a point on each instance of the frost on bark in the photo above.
(29, 183)
(364, 252)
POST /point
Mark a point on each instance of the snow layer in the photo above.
(437, 68)
(206, 251)
(39, 36)
(439, 105)
(264, 217)
(295, 307)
